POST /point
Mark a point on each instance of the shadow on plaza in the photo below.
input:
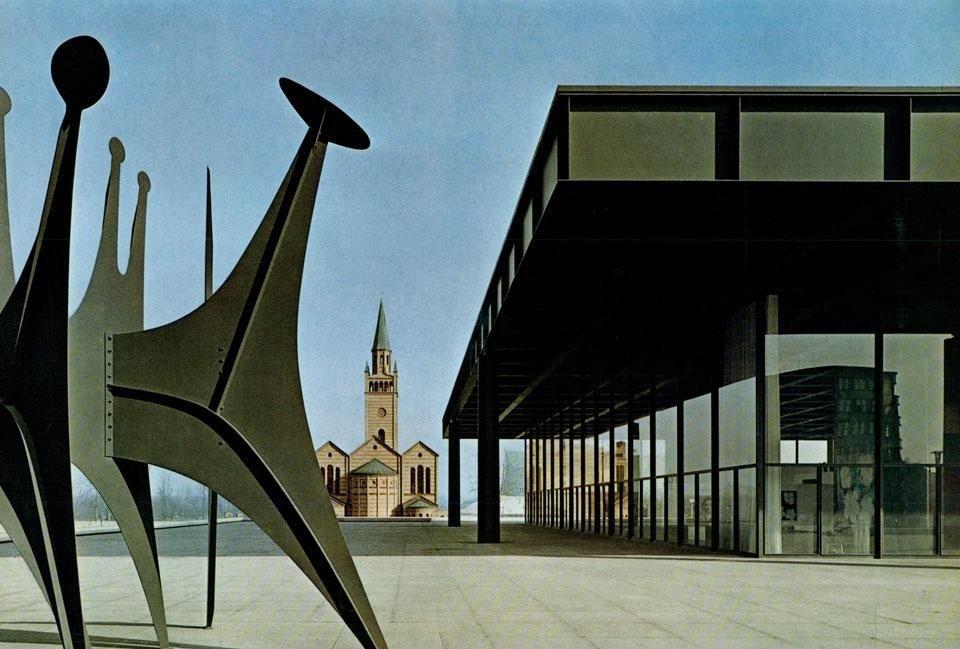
(370, 539)
(19, 637)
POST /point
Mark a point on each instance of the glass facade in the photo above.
(822, 405)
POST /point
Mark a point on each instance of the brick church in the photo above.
(377, 480)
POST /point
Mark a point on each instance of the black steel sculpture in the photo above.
(34, 425)
(215, 395)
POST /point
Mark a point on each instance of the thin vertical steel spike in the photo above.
(212, 495)
(33, 375)
(113, 301)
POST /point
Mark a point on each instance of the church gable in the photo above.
(419, 474)
(374, 449)
(419, 447)
(328, 450)
(334, 468)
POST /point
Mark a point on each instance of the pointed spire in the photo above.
(381, 339)
(366, 368)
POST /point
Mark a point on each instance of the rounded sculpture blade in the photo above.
(334, 124)
(80, 71)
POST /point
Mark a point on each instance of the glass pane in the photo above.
(847, 510)
(795, 490)
(726, 510)
(913, 397)
(748, 509)
(645, 494)
(909, 509)
(696, 433)
(671, 513)
(788, 451)
(738, 423)
(705, 506)
(636, 508)
(667, 441)
(820, 387)
(661, 528)
(643, 448)
(951, 509)
(689, 507)
(812, 451)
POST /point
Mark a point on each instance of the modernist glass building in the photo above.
(729, 317)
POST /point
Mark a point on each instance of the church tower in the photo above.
(380, 388)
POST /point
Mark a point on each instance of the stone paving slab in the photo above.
(434, 587)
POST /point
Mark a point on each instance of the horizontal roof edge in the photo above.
(759, 90)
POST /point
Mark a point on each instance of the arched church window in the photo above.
(382, 435)
(419, 478)
(426, 479)
(413, 478)
(330, 478)
(370, 389)
(336, 483)
(323, 475)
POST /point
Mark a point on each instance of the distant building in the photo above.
(376, 480)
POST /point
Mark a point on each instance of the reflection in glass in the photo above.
(667, 440)
(689, 507)
(738, 423)
(661, 528)
(748, 509)
(704, 508)
(645, 499)
(796, 522)
(819, 410)
(847, 510)
(909, 509)
(726, 510)
(696, 433)
(671, 513)
(950, 484)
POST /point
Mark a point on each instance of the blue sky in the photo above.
(453, 96)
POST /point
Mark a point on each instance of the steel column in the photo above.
(453, 476)
(488, 455)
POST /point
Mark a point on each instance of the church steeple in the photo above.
(381, 344)
(381, 387)
(381, 339)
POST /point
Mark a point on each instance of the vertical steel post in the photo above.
(453, 476)
(488, 455)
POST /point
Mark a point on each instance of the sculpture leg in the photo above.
(43, 503)
(126, 488)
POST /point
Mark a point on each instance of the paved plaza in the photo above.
(433, 586)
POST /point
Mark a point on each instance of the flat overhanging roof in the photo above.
(620, 285)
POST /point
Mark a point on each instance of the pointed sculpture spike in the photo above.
(34, 427)
(208, 245)
(211, 494)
